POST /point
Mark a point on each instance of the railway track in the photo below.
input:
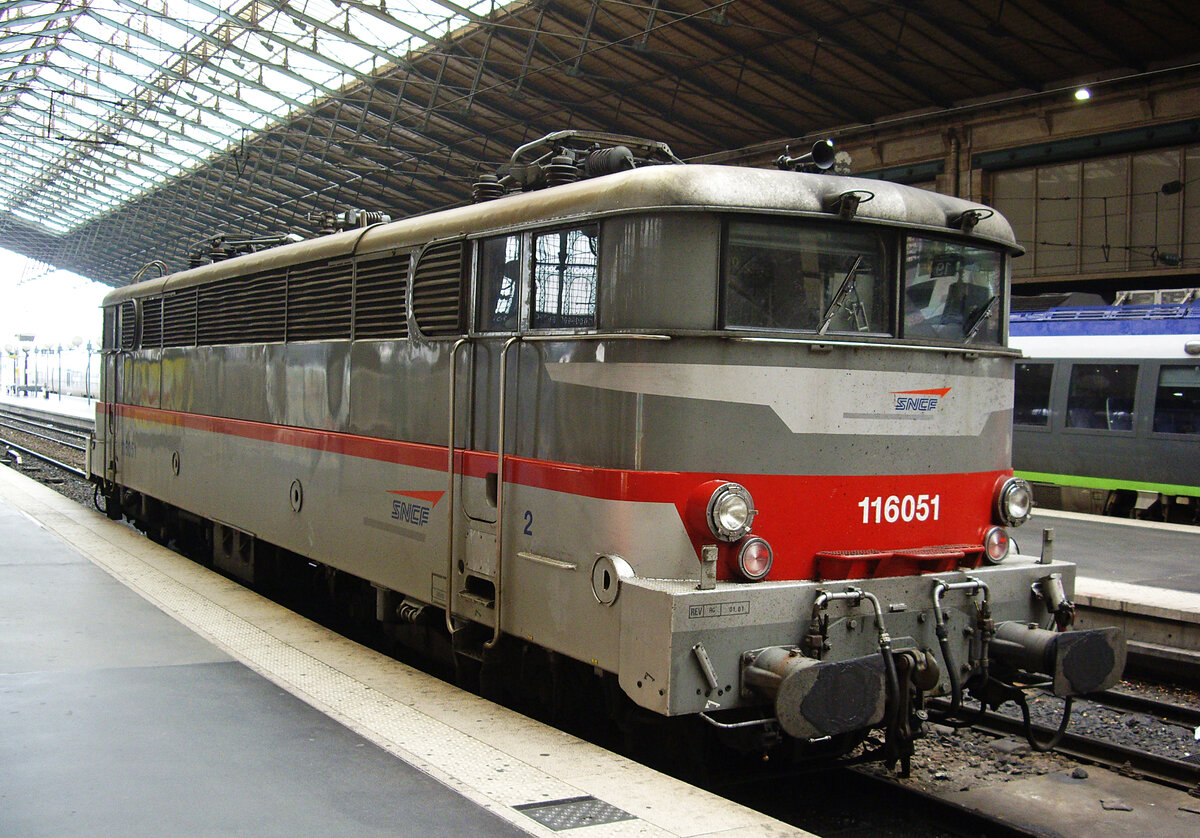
(56, 441)
(1095, 749)
(1181, 714)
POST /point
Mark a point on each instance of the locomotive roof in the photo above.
(663, 187)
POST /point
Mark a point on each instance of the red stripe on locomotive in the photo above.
(889, 521)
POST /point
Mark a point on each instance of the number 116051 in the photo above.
(905, 508)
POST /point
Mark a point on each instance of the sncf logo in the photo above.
(413, 509)
(918, 401)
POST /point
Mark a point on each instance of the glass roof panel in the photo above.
(101, 100)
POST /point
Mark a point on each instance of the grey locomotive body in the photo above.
(753, 441)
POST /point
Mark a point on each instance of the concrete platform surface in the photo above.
(74, 406)
(141, 694)
(1146, 553)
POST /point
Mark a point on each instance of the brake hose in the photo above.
(1028, 725)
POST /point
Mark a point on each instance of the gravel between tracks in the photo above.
(961, 760)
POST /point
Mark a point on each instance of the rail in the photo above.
(1163, 770)
(8, 444)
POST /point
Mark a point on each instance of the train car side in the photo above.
(1108, 404)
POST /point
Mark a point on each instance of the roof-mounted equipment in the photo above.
(220, 247)
(845, 205)
(568, 156)
(967, 220)
(818, 160)
(336, 222)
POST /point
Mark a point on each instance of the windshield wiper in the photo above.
(840, 297)
(977, 320)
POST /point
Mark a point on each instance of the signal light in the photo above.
(995, 545)
(754, 559)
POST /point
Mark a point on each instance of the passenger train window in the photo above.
(564, 279)
(499, 278)
(952, 292)
(805, 278)
(1177, 402)
(1031, 405)
(1101, 396)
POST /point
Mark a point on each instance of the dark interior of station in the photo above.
(136, 131)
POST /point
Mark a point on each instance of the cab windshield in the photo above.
(820, 278)
(952, 292)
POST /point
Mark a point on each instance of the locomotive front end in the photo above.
(852, 496)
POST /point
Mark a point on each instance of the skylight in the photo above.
(102, 100)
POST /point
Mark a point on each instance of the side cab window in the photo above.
(498, 280)
(564, 275)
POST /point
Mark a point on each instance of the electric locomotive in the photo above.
(732, 443)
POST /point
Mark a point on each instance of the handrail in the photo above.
(500, 491)
(450, 487)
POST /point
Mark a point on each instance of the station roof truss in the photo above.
(131, 130)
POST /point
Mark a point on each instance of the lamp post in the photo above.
(87, 374)
(60, 372)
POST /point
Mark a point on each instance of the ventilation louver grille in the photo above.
(245, 309)
(318, 302)
(437, 290)
(179, 319)
(128, 325)
(308, 302)
(379, 307)
(152, 323)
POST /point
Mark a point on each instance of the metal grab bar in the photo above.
(450, 487)
(500, 490)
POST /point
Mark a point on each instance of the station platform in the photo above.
(1140, 576)
(1144, 553)
(74, 406)
(146, 695)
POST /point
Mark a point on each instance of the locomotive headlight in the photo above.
(995, 545)
(730, 512)
(754, 559)
(1014, 502)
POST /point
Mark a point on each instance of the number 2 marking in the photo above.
(528, 522)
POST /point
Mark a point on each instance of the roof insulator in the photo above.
(487, 188)
(560, 170)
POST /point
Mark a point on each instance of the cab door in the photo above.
(474, 571)
(120, 334)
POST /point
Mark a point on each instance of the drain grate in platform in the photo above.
(573, 812)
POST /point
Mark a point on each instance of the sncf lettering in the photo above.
(410, 512)
(922, 404)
